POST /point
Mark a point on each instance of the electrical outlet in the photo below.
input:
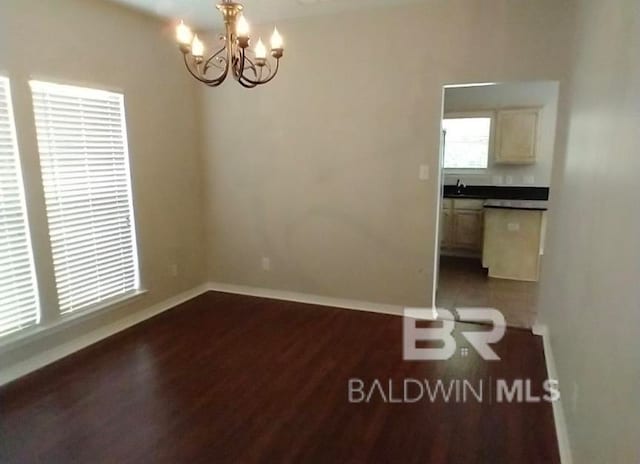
(509, 180)
(424, 172)
(497, 180)
(529, 180)
(513, 226)
(266, 264)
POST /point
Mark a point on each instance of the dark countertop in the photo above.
(495, 192)
(535, 205)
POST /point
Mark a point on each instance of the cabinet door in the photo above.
(445, 228)
(516, 134)
(468, 229)
(512, 243)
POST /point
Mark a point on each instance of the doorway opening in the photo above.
(496, 154)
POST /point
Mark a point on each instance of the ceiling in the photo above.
(202, 14)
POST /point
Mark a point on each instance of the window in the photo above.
(466, 142)
(85, 172)
(18, 292)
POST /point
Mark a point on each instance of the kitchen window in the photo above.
(82, 142)
(466, 141)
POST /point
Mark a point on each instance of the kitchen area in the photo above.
(497, 151)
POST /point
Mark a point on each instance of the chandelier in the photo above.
(249, 67)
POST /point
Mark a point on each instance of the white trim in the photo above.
(558, 411)
(286, 295)
(13, 372)
(22, 198)
(472, 84)
(65, 81)
(439, 208)
(67, 217)
(66, 320)
(22, 368)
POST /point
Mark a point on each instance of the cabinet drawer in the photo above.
(468, 204)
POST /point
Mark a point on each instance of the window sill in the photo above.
(38, 331)
(466, 171)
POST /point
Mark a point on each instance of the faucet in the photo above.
(459, 187)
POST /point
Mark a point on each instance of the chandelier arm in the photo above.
(239, 69)
(251, 66)
(210, 82)
(254, 69)
(240, 76)
(267, 65)
(219, 64)
(270, 76)
(213, 84)
(208, 63)
(259, 71)
(242, 63)
(194, 74)
(245, 84)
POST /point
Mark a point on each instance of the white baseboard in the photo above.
(558, 411)
(14, 371)
(307, 298)
(10, 373)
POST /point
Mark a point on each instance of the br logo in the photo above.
(480, 339)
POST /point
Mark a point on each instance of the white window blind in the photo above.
(85, 171)
(466, 142)
(18, 292)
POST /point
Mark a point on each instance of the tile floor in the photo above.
(463, 282)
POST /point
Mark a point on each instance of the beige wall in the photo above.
(590, 295)
(95, 43)
(319, 170)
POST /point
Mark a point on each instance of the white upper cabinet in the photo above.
(516, 135)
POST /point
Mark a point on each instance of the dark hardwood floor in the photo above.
(464, 283)
(228, 378)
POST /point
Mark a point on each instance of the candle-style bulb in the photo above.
(276, 40)
(260, 50)
(197, 47)
(242, 27)
(183, 34)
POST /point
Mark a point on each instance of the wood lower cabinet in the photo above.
(468, 229)
(512, 243)
(461, 225)
(446, 227)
